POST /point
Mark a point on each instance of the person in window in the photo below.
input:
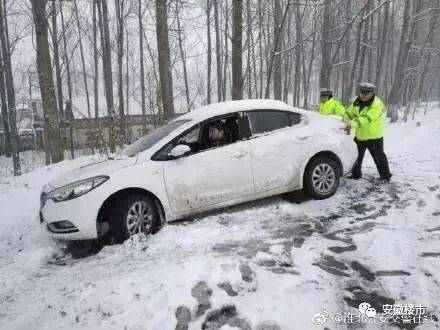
(216, 135)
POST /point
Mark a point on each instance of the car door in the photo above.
(209, 176)
(278, 146)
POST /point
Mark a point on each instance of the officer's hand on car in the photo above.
(354, 124)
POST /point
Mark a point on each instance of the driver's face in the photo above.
(216, 134)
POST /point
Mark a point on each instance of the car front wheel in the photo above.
(321, 177)
(133, 214)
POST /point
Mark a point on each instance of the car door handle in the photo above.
(302, 137)
(239, 154)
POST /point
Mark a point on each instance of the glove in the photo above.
(354, 124)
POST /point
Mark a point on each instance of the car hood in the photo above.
(102, 167)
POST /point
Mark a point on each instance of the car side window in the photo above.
(210, 134)
(220, 132)
(267, 121)
(295, 118)
(190, 138)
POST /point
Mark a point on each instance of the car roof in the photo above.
(221, 108)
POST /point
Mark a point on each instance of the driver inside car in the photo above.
(215, 134)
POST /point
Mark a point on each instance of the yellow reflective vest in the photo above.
(332, 107)
(368, 119)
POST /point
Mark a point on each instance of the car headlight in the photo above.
(76, 189)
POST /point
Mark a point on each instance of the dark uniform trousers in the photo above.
(375, 147)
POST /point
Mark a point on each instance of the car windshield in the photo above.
(147, 141)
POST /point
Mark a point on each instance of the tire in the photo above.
(126, 212)
(321, 177)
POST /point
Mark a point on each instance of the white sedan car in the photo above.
(216, 156)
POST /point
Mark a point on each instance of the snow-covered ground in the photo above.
(271, 264)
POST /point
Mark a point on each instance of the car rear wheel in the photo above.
(133, 214)
(321, 177)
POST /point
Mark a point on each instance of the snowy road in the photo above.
(271, 264)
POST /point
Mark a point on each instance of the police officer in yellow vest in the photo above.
(365, 117)
(329, 105)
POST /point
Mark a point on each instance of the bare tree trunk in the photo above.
(413, 59)
(248, 42)
(46, 82)
(382, 46)
(209, 53)
(156, 80)
(95, 62)
(299, 39)
(274, 54)
(4, 106)
(402, 56)
(141, 64)
(217, 51)
(364, 45)
(119, 5)
(182, 55)
(326, 46)
(429, 42)
(390, 59)
(370, 50)
(312, 57)
(56, 58)
(260, 45)
(97, 136)
(127, 83)
(83, 63)
(254, 64)
(346, 91)
(276, 46)
(69, 105)
(4, 38)
(107, 67)
(287, 66)
(237, 52)
(163, 47)
(356, 58)
(226, 37)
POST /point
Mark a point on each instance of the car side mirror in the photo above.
(179, 151)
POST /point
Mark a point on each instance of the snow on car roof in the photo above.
(217, 109)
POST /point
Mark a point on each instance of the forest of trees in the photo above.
(172, 56)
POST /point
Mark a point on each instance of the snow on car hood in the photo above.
(105, 166)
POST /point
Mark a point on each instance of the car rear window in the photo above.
(267, 121)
